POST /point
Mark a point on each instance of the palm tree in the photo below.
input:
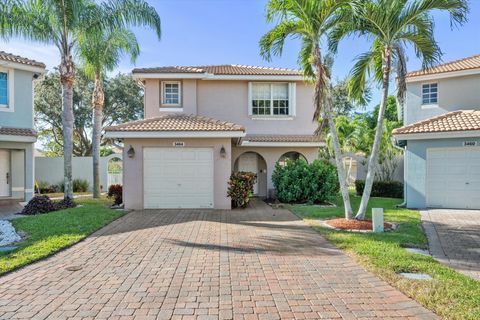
(99, 54)
(60, 23)
(391, 25)
(310, 21)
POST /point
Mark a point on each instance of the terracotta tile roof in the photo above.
(457, 65)
(227, 69)
(177, 122)
(17, 132)
(283, 138)
(17, 59)
(462, 120)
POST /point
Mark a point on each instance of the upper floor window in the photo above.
(3, 89)
(271, 99)
(429, 93)
(171, 93)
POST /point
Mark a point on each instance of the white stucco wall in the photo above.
(50, 170)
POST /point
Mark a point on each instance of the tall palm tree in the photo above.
(60, 23)
(310, 21)
(99, 54)
(392, 25)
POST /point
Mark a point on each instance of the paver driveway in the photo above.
(194, 264)
(454, 238)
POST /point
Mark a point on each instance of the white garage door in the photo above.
(453, 178)
(178, 178)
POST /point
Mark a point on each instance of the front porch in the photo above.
(262, 161)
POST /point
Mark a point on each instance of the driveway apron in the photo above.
(257, 263)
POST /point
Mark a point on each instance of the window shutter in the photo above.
(292, 97)
(250, 112)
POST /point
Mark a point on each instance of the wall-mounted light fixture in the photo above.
(223, 152)
(131, 152)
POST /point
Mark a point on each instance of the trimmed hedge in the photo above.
(386, 189)
(240, 188)
(300, 182)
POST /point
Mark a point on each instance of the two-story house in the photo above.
(17, 134)
(441, 136)
(202, 123)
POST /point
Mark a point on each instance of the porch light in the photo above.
(131, 152)
(223, 152)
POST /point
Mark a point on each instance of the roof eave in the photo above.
(209, 76)
(173, 134)
(282, 144)
(21, 66)
(437, 135)
(442, 75)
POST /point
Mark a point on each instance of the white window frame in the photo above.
(291, 102)
(11, 91)
(162, 93)
(429, 104)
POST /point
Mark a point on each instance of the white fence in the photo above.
(50, 170)
(114, 178)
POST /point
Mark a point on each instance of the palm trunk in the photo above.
(98, 99)
(373, 161)
(67, 78)
(322, 83)
(342, 177)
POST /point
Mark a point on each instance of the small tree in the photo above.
(311, 21)
(391, 25)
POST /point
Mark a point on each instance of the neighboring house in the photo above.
(202, 123)
(441, 136)
(17, 134)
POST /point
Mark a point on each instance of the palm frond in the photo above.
(357, 82)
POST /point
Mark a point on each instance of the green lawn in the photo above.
(48, 233)
(451, 294)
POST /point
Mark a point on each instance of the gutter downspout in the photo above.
(404, 203)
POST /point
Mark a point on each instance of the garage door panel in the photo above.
(178, 178)
(453, 178)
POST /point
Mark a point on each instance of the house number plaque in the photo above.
(179, 144)
(470, 143)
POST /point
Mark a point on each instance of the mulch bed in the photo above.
(344, 224)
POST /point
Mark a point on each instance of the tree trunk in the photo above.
(67, 79)
(98, 99)
(323, 84)
(373, 161)
(342, 177)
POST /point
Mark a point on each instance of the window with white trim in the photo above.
(171, 93)
(429, 93)
(270, 99)
(4, 89)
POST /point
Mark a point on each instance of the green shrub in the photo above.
(386, 189)
(44, 187)
(240, 188)
(78, 185)
(300, 182)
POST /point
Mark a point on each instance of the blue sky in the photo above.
(199, 32)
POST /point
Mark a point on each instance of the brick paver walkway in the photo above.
(194, 264)
(454, 238)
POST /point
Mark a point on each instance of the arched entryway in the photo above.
(115, 171)
(292, 156)
(253, 162)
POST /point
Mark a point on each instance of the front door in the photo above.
(248, 162)
(4, 173)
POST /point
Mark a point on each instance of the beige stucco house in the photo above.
(202, 123)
